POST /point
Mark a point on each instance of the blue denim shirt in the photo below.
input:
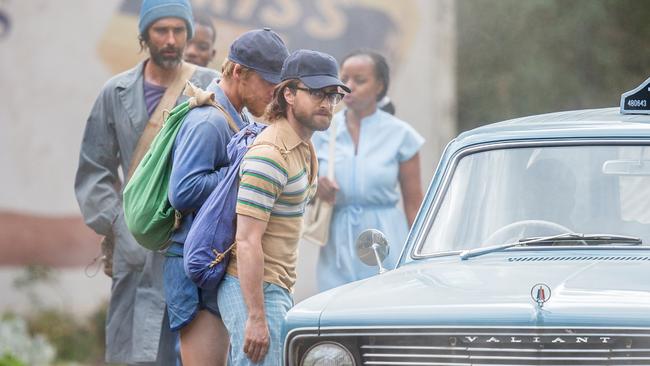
(199, 153)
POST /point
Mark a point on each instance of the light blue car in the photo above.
(531, 248)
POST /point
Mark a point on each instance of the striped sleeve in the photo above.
(263, 176)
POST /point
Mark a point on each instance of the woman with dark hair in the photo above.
(376, 156)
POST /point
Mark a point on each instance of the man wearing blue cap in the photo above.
(125, 117)
(249, 75)
(277, 178)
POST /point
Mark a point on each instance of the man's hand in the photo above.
(256, 338)
(327, 190)
(108, 246)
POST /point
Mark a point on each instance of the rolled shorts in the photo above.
(184, 298)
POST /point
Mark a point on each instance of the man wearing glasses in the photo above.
(278, 177)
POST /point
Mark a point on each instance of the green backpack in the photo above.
(147, 211)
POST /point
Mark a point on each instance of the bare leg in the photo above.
(204, 341)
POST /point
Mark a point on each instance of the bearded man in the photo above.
(278, 176)
(137, 326)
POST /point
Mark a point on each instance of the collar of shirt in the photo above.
(222, 99)
(374, 116)
(288, 136)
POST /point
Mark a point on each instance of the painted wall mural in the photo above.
(56, 55)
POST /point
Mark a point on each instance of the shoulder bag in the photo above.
(318, 215)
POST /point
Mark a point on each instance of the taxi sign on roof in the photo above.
(637, 101)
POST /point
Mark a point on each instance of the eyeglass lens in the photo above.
(318, 95)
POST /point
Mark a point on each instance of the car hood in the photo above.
(497, 289)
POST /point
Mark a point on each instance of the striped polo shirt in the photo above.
(277, 179)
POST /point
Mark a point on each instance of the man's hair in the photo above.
(143, 40)
(228, 67)
(382, 71)
(205, 20)
(277, 109)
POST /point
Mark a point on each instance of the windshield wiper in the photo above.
(602, 238)
(466, 254)
(598, 239)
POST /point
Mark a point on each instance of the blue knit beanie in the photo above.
(153, 10)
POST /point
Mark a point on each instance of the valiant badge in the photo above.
(540, 293)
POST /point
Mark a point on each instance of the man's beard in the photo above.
(308, 120)
(166, 62)
(258, 110)
(252, 102)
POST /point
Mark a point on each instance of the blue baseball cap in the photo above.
(261, 50)
(315, 69)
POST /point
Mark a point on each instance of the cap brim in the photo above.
(323, 81)
(271, 77)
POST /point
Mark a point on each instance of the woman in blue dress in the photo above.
(376, 157)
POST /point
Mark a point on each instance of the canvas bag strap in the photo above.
(155, 123)
(231, 123)
(331, 152)
(200, 97)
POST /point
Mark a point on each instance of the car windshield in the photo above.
(503, 195)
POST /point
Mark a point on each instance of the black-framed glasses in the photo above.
(317, 95)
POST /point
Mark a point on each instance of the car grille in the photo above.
(507, 346)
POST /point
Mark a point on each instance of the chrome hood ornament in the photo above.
(540, 293)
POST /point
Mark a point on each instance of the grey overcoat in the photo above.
(137, 329)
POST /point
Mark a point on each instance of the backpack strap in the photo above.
(200, 97)
(219, 256)
(155, 123)
(231, 123)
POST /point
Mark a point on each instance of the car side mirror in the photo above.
(372, 248)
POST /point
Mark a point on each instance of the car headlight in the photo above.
(327, 354)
